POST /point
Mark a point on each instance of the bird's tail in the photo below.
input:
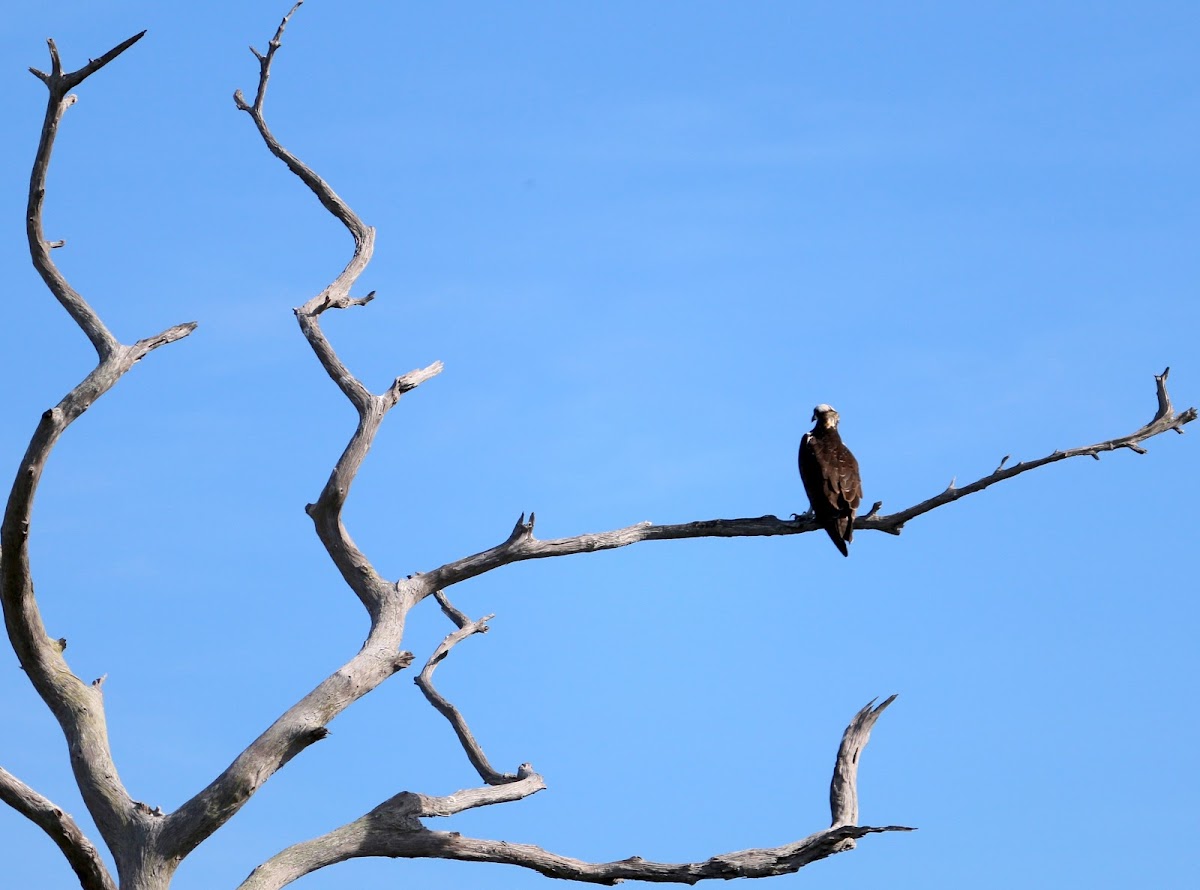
(835, 534)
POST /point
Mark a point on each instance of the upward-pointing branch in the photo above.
(78, 706)
(394, 829)
(386, 602)
(59, 84)
(354, 566)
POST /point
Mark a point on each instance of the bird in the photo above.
(830, 476)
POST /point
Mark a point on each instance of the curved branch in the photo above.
(353, 564)
(521, 544)
(394, 829)
(78, 706)
(474, 752)
(843, 788)
(59, 84)
(82, 855)
(387, 603)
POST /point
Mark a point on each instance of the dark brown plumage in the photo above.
(830, 475)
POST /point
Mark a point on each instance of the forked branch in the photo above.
(77, 705)
(354, 566)
(394, 829)
(387, 603)
(521, 543)
(59, 84)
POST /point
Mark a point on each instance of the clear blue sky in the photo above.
(645, 238)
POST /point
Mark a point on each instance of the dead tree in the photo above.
(148, 844)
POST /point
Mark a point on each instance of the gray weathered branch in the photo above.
(59, 84)
(354, 566)
(387, 603)
(83, 857)
(843, 788)
(78, 706)
(474, 752)
(1165, 418)
(394, 829)
(521, 544)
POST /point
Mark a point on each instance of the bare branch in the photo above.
(386, 603)
(327, 196)
(843, 789)
(301, 726)
(1164, 419)
(78, 706)
(460, 619)
(393, 829)
(390, 823)
(353, 564)
(58, 84)
(521, 544)
(82, 855)
(474, 752)
(754, 863)
(409, 805)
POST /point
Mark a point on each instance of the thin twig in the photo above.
(58, 101)
(472, 748)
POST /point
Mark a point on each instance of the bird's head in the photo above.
(825, 416)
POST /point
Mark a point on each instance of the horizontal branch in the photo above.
(82, 855)
(393, 829)
(521, 543)
(756, 863)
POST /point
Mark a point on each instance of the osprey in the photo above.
(830, 475)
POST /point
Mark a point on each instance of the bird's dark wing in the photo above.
(813, 475)
(830, 476)
(848, 485)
